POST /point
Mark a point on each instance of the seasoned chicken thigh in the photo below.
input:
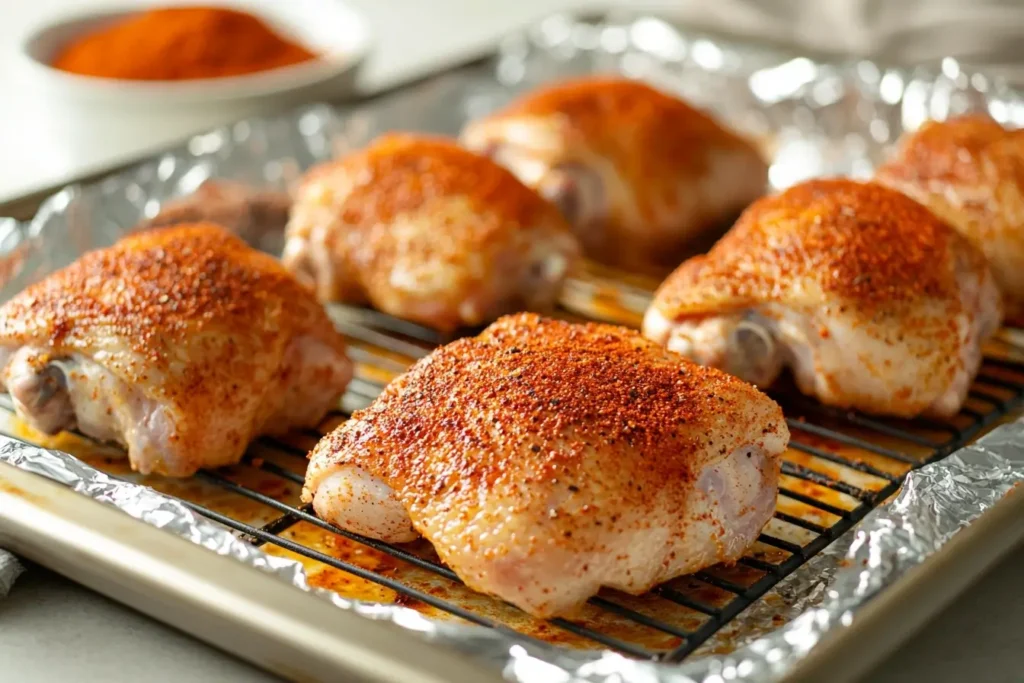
(544, 460)
(639, 173)
(256, 215)
(970, 172)
(864, 294)
(424, 230)
(182, 344)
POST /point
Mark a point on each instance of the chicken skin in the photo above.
(427, 231)
(544, 460)
(181, 344)
(256, 215)
(870, 300)
(970, 172)
(639, 173)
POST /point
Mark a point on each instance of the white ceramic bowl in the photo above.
(329, 27)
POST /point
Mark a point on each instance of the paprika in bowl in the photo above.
(191, 54)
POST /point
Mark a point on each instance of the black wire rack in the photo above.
(840, 466)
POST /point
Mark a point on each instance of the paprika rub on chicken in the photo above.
(544, 460)
(970, 172)
(870, 300)
(641, 175)
(182, 344)
(424, 230)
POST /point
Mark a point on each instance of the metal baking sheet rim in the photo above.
(903, 608)
(986, 538)
(219, 600)
(335, 642)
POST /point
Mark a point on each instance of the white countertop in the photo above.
(53, 630)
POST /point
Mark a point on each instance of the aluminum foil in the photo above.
(10, 570)
(813, 119)
(934, 504)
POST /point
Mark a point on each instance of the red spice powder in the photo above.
(182, 43)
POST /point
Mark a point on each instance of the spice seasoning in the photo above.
(182, 43)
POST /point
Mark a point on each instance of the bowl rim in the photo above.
(279, 79)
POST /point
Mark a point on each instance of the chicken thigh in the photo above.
(871, 301)
(544, 460)
(257, 215)
(425, 230)
(182, 344)
(970, 172)
(639, 173)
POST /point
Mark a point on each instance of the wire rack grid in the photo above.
(840, 466)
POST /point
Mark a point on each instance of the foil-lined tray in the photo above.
(811, 118)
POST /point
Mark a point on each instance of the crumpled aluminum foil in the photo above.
(10, 570)
(813, 118)
(934, 504)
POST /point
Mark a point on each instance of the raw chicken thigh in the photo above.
(256, 215)
(544, 460)
(182, 344)
(639, 173)
(871, 301)
(970, 172)
(425, 230)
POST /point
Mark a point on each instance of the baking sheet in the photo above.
(811, 118)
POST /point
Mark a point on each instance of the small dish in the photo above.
(337, 32)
